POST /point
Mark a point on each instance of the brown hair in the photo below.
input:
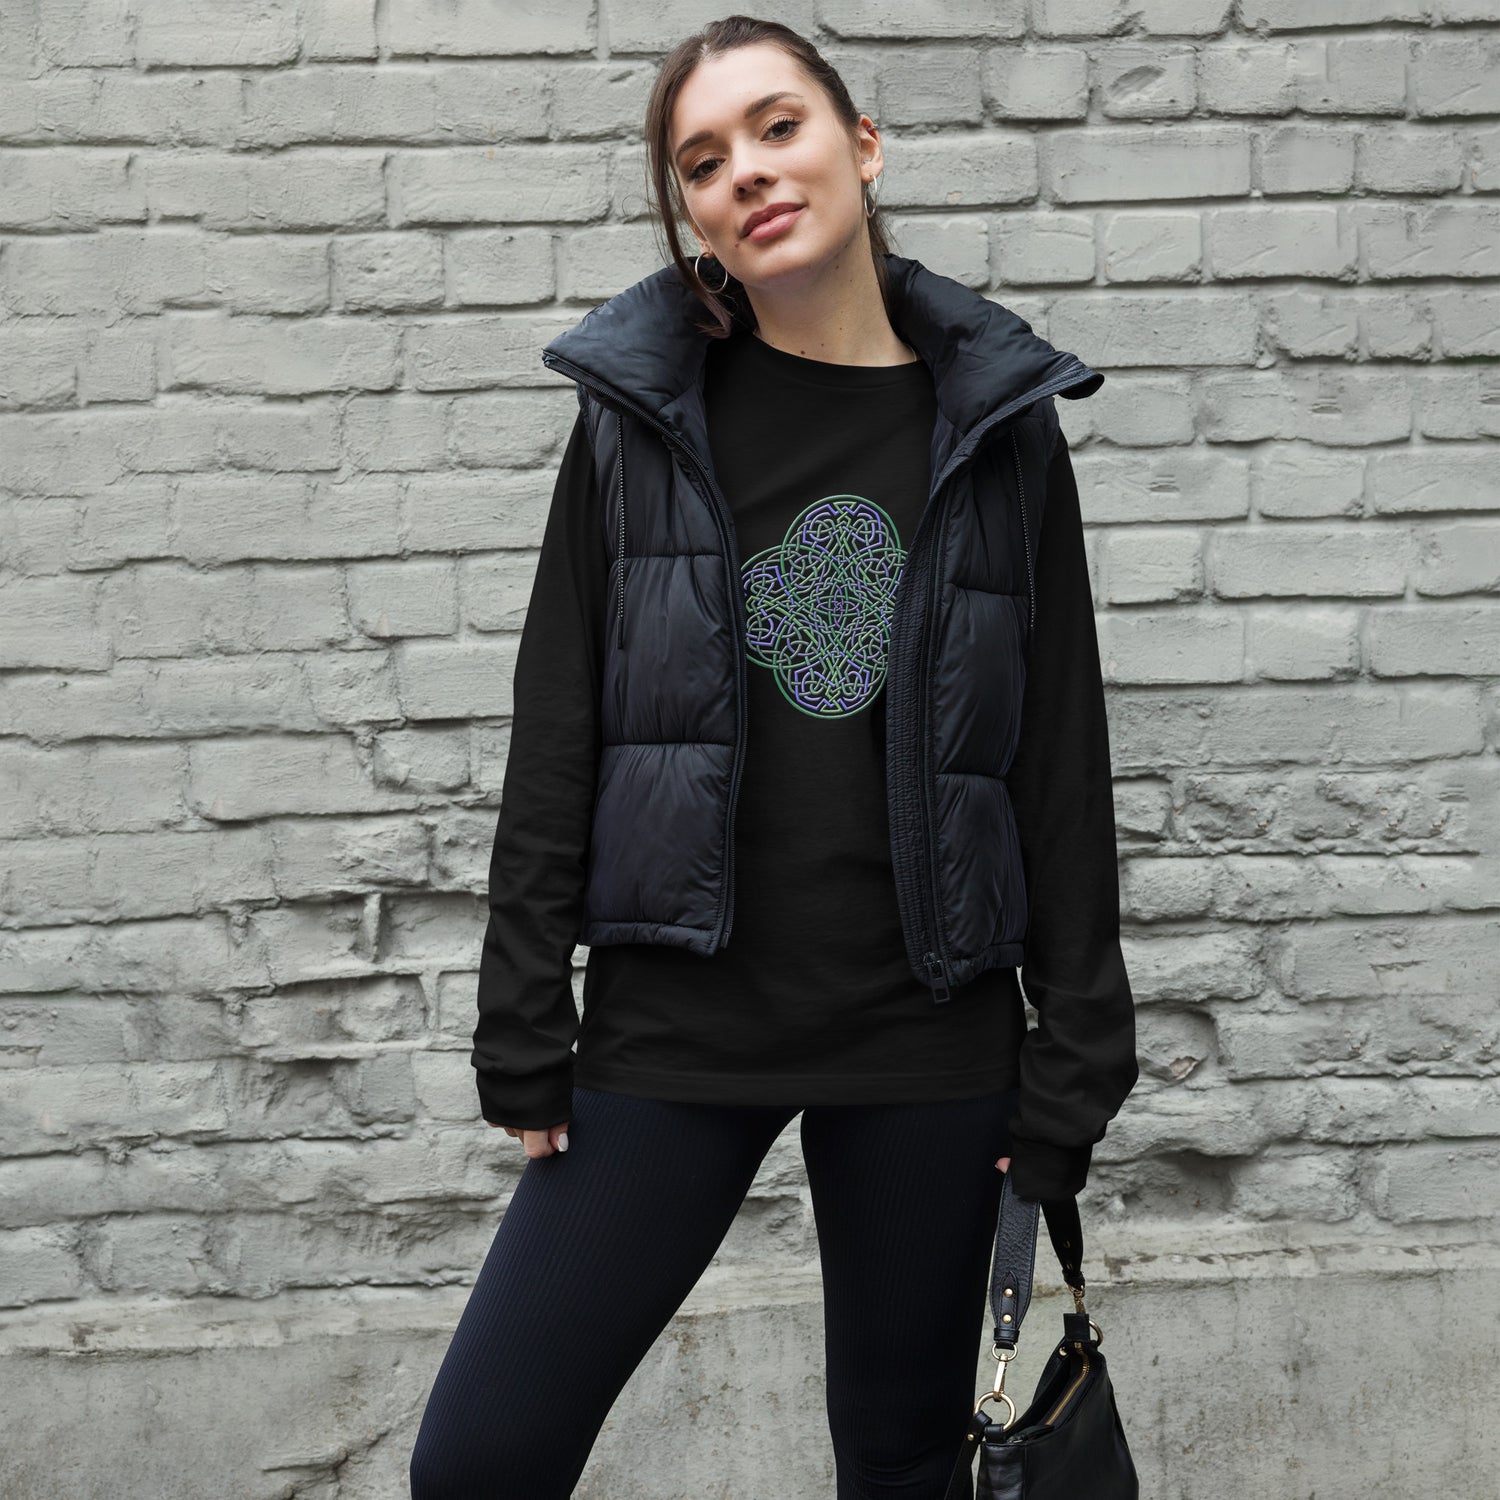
(728, 306)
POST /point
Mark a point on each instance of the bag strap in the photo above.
(1015, 1257)
(1010, 1296)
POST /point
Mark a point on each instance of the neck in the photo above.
(833, 313)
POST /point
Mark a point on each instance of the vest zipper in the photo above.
(1015, 448)
(936, 963)
(613, 397)
(620, 555)
(936, 959)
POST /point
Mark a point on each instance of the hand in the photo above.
(538, 1142)
(1004, 1163)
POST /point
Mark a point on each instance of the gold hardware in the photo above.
(1078, 1299)
(1005, 1317)
(990, 1396)
(1068, 1394)
(1010, 1292)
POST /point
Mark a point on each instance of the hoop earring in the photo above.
(699, 274)
(872, 194)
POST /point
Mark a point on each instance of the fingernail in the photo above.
(562, 1141)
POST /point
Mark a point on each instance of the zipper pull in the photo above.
(937, 977)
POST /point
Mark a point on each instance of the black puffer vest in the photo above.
(661, 855)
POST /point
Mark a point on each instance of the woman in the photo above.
(809, 748)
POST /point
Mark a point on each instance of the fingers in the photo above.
(538, 1142)
(1004, 1163)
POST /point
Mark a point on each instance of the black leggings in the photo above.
(601, 1244)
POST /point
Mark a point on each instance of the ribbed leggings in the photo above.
(600, 1245)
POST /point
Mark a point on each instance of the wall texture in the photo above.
(276, 449)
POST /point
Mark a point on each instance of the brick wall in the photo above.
(276, 449)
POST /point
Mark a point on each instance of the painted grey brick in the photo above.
(1243, 80)
(963, 171)
(1164, 246)
(593, 259)
(1188, 161)
(1135, 81)
(1049, 248)
(262, 273)
(1169, 329)
(490, 101)
(59, 189)
(187, 109)
(1177, 484)
(1036, 83)
(297, 189)
(1352, 75)
(585, 98)
(1151, 411)
(1080, 18)
(387, 272)
(1432, 239)
(1393, 326)
(1149, 648)
(214, 33)
(961, 242)
(508, 184)
(1281, 241)
(1456, 76)
(1152, 565)
(931, 86)
(889, 18)
(338, 30)
(1306, 159)
(1482, 150)
(1306, 15)
(388, 600)
(473, 28)
(1311, 325)
(272, 357)
(313, 104)
(1184, 17)
(1414, 480)
(1459, 403)
(1308, 561)
(84, 33)
(1395, 160)
(1337, 407)
(496, 267)
(1437, 640)
(1458, 558)
(1317, 643)
(1467, 322)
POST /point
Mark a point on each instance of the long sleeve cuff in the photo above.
(1040, 1171)
(532, 1102)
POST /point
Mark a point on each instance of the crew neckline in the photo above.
(826, 373)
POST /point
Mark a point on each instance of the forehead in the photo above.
(715, 94)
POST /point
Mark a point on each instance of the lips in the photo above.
(760, 216)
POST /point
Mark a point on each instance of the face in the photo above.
(790, 148)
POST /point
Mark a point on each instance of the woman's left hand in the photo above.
(1004, 1163)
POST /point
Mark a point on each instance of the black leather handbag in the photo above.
(1068, 1444)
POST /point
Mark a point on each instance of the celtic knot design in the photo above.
(819, 604)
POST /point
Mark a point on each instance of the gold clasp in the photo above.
(1002, 1358)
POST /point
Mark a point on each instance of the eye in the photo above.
(697, 174)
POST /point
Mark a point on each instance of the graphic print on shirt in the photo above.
(819, 603)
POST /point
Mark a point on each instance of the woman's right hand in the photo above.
(538, 1142)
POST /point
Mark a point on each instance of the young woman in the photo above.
(809, 748)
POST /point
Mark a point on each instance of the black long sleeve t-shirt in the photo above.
(826, 469)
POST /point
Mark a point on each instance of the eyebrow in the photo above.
(751, 110)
